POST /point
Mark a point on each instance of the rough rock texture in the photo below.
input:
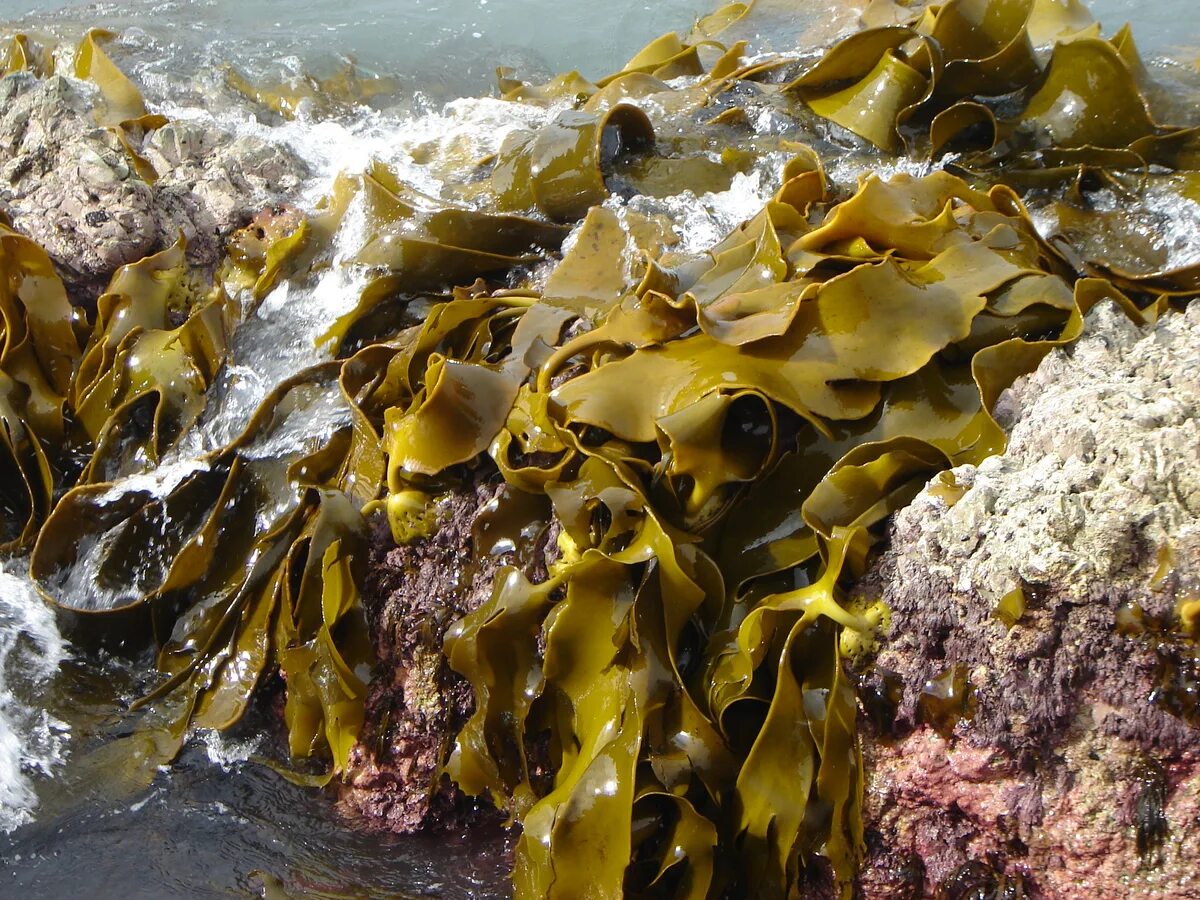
(1069, 775)
(416, 703)
(72, 187)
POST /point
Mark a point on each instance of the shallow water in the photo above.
(218, 823)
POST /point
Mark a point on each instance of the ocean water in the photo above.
(217, 823)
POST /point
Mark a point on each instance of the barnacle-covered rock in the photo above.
(97, 198)
(1076, 764)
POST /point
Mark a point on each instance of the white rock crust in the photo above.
(1103, 466)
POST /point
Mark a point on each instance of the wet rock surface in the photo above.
(1059, 756)
(416, 703)
(75, 189)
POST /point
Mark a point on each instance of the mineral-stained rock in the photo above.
(416, 703)
(72, 186)
(1069, 761)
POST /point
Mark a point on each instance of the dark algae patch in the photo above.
(690, 453)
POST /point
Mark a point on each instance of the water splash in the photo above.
(32, 741)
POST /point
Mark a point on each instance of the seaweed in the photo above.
(719, 435)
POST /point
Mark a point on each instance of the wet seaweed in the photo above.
(719, 434)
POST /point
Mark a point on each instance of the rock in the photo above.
(416, 704)
(1074, 765)
(72, 187)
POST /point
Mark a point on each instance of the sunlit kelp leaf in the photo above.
(1055, 20)
(852, 333)
(871, 107)
(588, 813)
(347, 87)
(465, 403)
(723, 438)
(665, 57)
(24, 54)
(569, 85)
(321, 632)
(714, 23)
(559, 169)
(135, 354)
(122, 101)
(26, 480)
(1089, 99)
(38, 343)
(985, 48)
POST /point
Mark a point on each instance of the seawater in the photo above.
(218, 823)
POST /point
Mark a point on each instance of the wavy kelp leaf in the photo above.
(1055, 20)
(26, 55)
(724, 17)
(665, 57)
(587, 814)
(259, 254)
(325, 652)
(985, 47)
(122, 101)
(871, 107)
(870, 482)
(812, 715)
(26, 481)
(858, 329)
(570, 85)
(559, 169)
(1089, 99)
(38, 343)
(851, 59)
(346, 87)
(135, 360)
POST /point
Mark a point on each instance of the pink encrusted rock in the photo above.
(1074, 770)
(416, 704)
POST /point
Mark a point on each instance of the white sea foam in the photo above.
(226, 752)
(700, 221)
(32, 741)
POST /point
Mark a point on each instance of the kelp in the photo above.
(347, 87)
(718, 435)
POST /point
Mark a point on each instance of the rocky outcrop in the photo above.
(1059, 753)
(416, 703)
(75, 189)
(1031, 720)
